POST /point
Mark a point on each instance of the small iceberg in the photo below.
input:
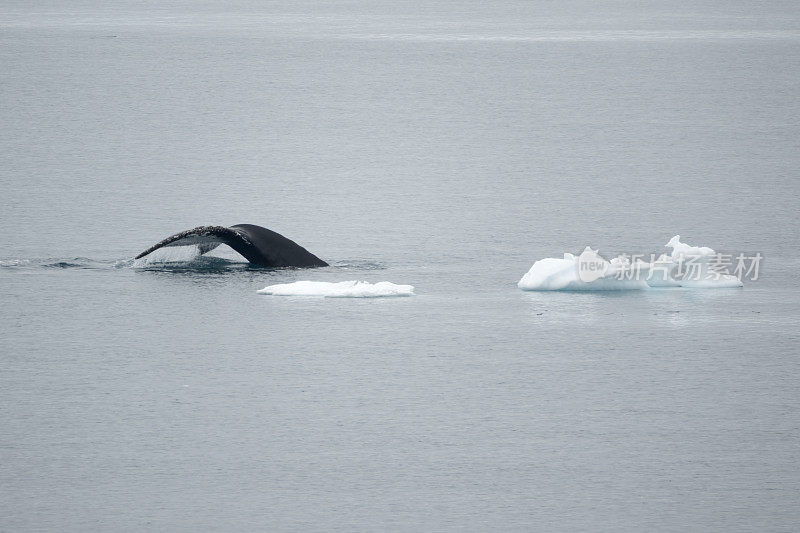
(586, 272)
(698, 267)
(342, 289)
(687, 266)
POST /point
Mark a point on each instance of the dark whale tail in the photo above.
(258, 245)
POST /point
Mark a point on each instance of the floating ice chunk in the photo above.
(343, 289)
(681, 249)
(686, 266)
(572, 274)
(698, 266)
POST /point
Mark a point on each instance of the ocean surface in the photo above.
(445, 145)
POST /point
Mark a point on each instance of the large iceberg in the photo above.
(342, 289)
(686, 266)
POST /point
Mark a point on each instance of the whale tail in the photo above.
(258, 245)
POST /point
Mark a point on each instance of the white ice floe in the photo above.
(686, 266)
(343, 289)
(698, 267)
(553, 274)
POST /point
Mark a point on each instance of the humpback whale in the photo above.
(258, 245)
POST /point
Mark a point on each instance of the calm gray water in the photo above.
(448, 146)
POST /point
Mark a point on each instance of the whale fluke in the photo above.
(258, 245)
